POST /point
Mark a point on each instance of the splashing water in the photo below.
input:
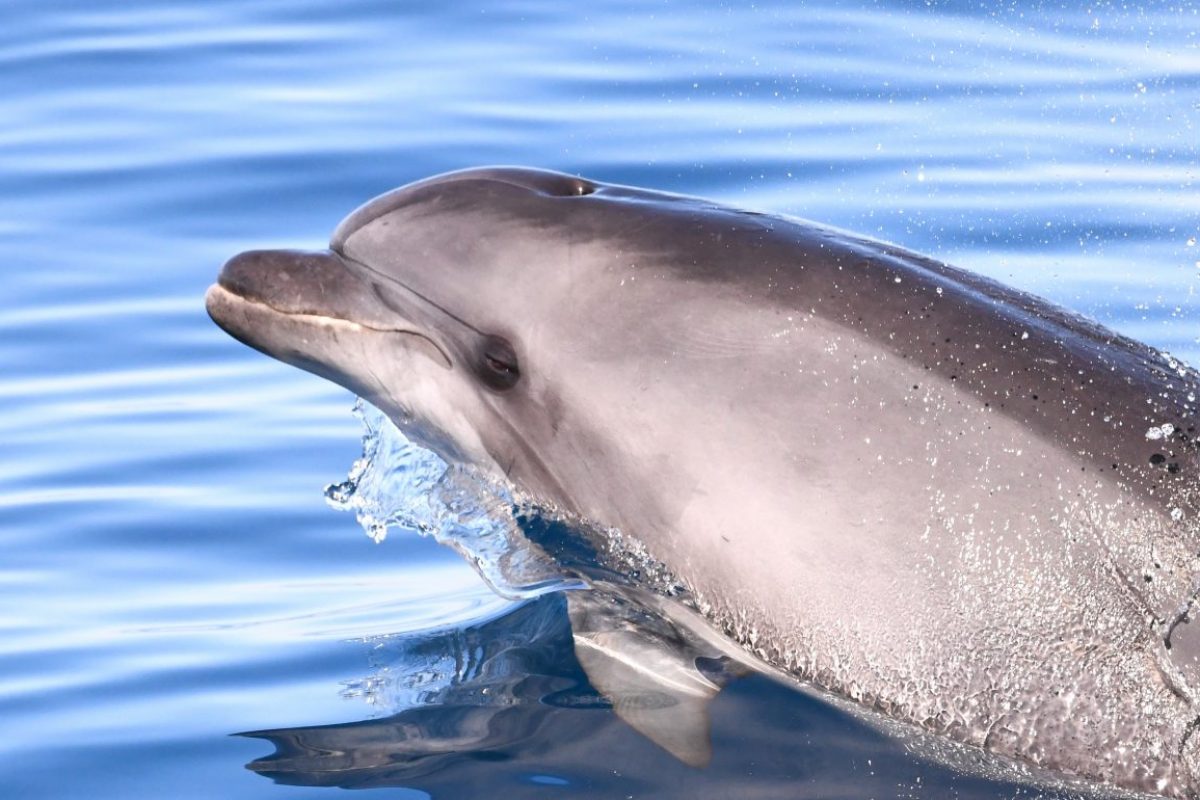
(396, 484)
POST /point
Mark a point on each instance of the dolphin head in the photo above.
(451, 304)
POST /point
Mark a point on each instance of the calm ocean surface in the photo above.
(170, 573)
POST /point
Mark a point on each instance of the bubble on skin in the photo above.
(1159, 432)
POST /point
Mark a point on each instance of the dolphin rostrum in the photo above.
(936, 495)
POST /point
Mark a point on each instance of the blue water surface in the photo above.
(170, 573)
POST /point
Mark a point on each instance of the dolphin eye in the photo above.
(498, 363)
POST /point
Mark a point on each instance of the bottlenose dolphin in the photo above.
(936, 495)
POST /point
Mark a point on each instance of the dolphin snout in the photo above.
(291, 281)
(298, 284)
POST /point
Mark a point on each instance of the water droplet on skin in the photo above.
(1157, 432)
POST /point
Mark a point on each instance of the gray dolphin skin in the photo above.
(946, 499)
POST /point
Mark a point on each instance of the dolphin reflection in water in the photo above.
(940, 497)
(512, 713)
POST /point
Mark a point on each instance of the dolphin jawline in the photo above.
(220, 301)
(218, 294)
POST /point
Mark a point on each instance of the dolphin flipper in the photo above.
(650, 667)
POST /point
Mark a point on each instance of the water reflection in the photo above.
(505, 706)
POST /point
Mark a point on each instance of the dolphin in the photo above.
(941, 497)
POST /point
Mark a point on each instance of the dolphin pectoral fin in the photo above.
(659, 695)
(658, 672)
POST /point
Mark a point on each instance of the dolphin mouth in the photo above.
(218, 298)
(259, 290)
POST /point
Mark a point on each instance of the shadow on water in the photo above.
(505, 707)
